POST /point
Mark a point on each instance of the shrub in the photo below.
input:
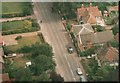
(18, 37)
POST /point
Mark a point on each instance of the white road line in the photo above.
(70, 68)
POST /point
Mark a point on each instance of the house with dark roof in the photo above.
(108, 55)
(86, 37)
(90, 15)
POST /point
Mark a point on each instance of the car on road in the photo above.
(82, 78)
(70, 50)
(79, 72)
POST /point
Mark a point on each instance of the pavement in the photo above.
(16, 18)
(54, 33)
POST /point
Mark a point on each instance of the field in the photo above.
(12, 7)
(25, 41)
(21, 26)
(13, 25)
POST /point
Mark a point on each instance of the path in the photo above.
(16, 18)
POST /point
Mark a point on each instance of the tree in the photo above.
(56, 77)
(42, 63)
(115, 29)
(23, 74)
(98, 28)
(27, 10)
(114, 43)
(42, 77)
(7, 50)
(43, 49)
(68, 26)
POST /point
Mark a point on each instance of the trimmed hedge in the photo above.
(24, 30)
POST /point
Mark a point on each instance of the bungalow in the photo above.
(108, 55)
(90, 15)
(86, 37)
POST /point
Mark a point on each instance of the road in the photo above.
(55, 34)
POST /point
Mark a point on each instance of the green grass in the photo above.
(12, 7)
(19, 62)
(13, 25)
(25, 41)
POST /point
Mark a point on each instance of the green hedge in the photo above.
(24, 30)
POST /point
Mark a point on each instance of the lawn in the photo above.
(19, 62)
(25, 41)
(21, 26)
(12, 25)
(12, 7)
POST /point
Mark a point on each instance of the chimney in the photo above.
(90, 4)
(82, 5)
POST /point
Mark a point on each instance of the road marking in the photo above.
(70, 68)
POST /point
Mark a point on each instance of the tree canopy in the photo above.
(23, 74)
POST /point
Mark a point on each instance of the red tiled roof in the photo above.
(112, 54)
(88, 14)
(80, 11)
(94, 11)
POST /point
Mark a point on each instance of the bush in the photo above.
(18, 37)
(98, 28)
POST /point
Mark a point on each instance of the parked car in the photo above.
(70, 50)
(82, 78)
(79, 72)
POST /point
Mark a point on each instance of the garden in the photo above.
(22, 26)
(23, 41)
(16, 9)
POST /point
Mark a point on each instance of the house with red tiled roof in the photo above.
(90, 15)
(108, 55)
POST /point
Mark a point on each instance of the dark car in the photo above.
(70, 50)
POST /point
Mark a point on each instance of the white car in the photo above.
(79, 72)
(83, 78)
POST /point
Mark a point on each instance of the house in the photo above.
(90, 15)
(80, 30)
(86, 37)
(4, 78)
(108, 55)
(112, 8)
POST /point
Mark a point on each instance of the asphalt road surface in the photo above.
(55, 34)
